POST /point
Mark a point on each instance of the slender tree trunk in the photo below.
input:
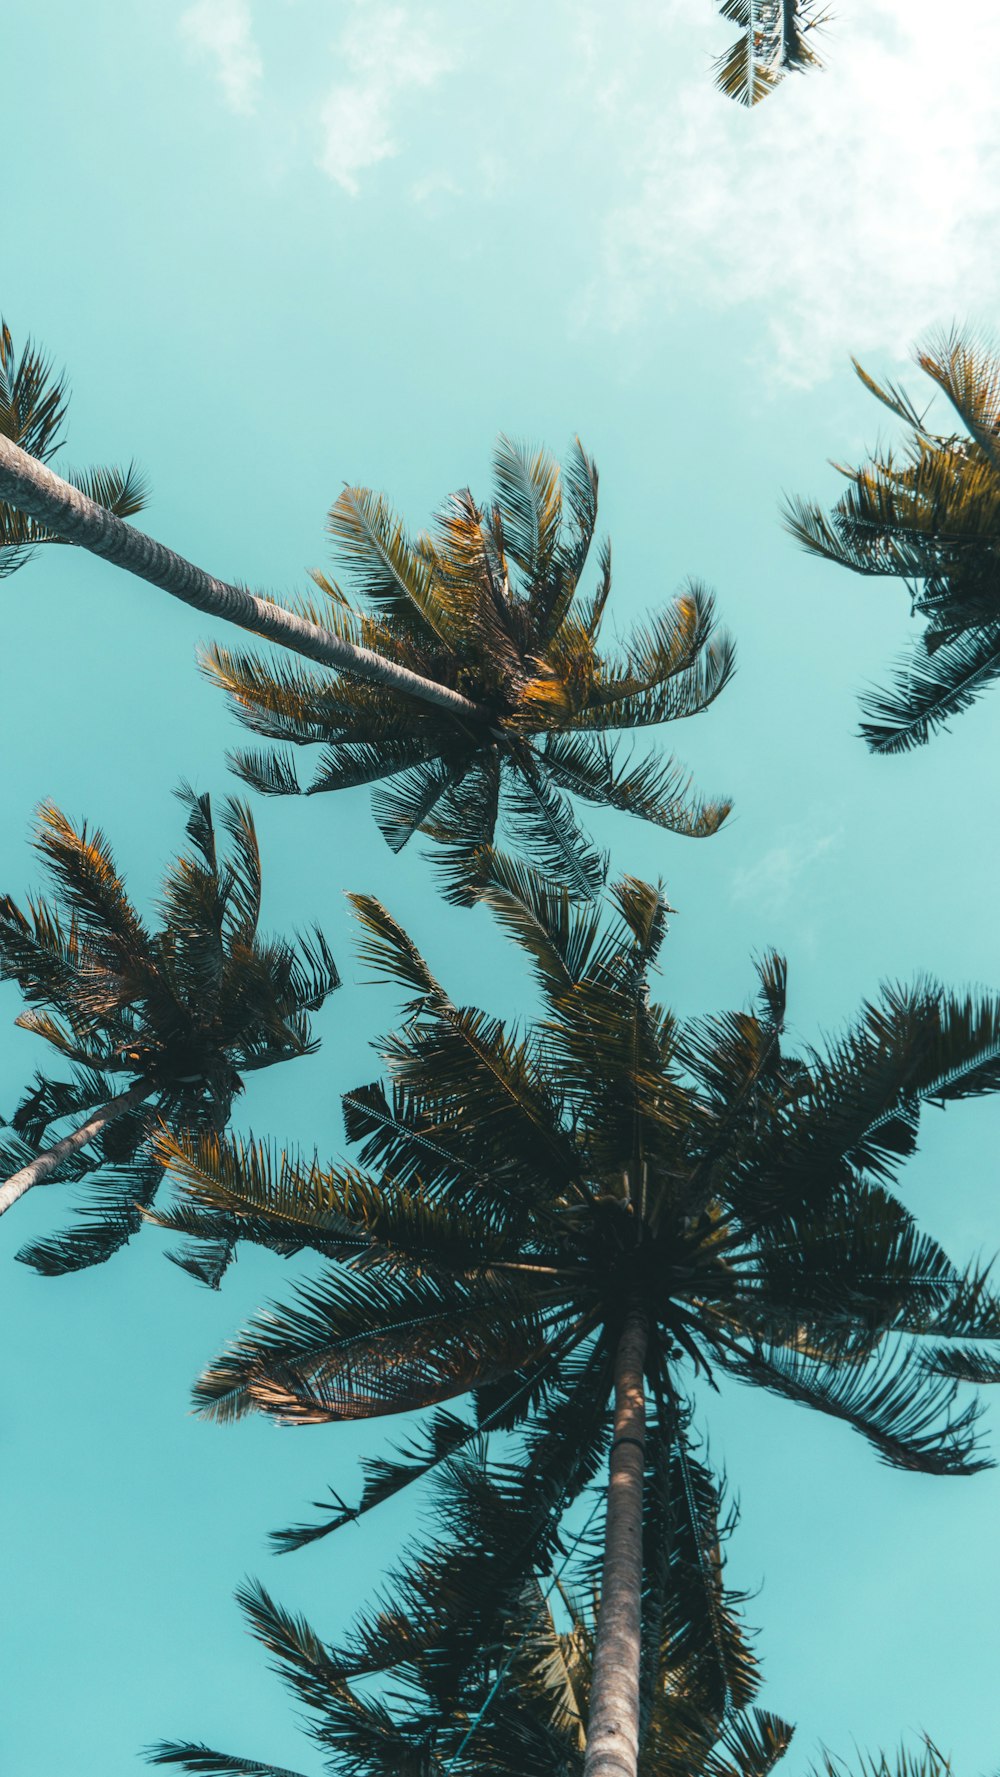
(32, 488)
(39, 1170)
(613, 1730)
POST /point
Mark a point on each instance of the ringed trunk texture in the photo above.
(39, 1170)
(32, 488)
(613, 1729)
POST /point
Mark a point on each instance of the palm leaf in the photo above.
(909, 1416)
(201, 1761)
(928, 690)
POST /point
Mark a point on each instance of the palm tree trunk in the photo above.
(32, 488)
(39, 1170)
(613, 1730)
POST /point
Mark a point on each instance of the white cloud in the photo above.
(382, 54)
(770, 882)
(848, 212)
(222, 30)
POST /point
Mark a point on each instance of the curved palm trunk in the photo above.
(613, 1730)
(39, 1170)
(32, 488)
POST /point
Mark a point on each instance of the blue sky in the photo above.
(283, 244)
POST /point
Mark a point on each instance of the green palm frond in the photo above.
(694, 1622)
(541, 822)
(579, 500)
(444, 1434)
(751, 1745)
(929, 689)
(271, 774)
(33, 400)
(776, 37)
(365, 1344)
(404, 805)
(109, 1217)
(529, 496)
(965, 367)
(255, 1182)
(976, 1365)
(928, 1762)
(387, 570)
(49, 1101)
(86, 877)
(201, 1761)
(907, 1414)
(387, 949)
(655, 789)
(740, 76)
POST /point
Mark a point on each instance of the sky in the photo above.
(285, 244)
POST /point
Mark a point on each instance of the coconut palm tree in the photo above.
(484, 1671)
(472, 676)
(582, 1221)
(493, 603)
(154, 1024)
(775, 38)
(33, 403)
(929, 515)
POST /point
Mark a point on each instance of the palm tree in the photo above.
(929, 515)
(33, 404)
(485, 1671)
(580, 1221)
(155, 1024)
(492, 603)
(774, 39)
(521, 697)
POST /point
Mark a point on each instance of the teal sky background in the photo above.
(284, 244)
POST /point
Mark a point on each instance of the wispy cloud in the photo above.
(383, 53)
(770, 883)
(222, 31)
(846, 213)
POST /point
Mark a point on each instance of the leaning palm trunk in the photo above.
(39, 1170)
(613, 1731)
(35, 490)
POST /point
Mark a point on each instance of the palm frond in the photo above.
(541, 821)
(530, 498)
(356, 1345)
(107, 1219)
(271, 774)
(201, 1761)
(929, 689)
(907, 1414)
(655, 789)
(740, 76)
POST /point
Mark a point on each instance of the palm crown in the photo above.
(523, 1188)
(491, 604)
(484, 1671)
(928, 514)
(180, 1012)
(533, 1203)
(33, 405)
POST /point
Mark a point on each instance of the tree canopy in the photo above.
(494, 603)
